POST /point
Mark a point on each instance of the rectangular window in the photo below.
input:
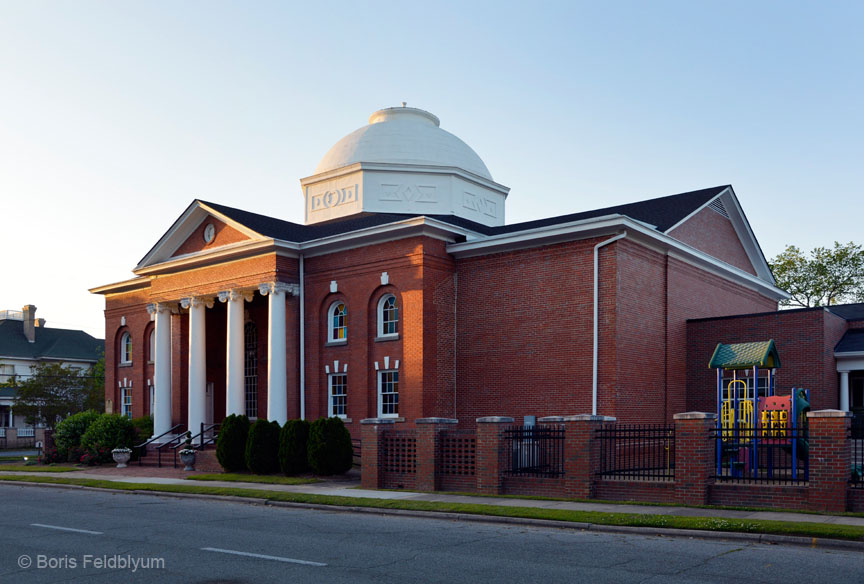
(126, 403)
(388, 393)
(338, 394)
(6, 372)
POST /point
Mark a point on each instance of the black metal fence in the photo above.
(857, 454)
(637, 452)
(536, 451)
(762, 455)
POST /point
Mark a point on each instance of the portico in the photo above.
(195, 309)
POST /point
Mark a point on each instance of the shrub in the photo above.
(293, 440)
(68, 433)
(143, 428)
(110, 431)
(231, 443)
(329, 450)
(262, 447)
(50, 455)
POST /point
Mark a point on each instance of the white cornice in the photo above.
(414, 168)
(609, 224)
(124, 286)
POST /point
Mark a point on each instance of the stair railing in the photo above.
(144, 445)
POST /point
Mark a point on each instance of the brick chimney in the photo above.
(30, 322)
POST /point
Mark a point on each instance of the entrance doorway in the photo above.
(856, 395)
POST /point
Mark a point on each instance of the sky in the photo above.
(115, 115)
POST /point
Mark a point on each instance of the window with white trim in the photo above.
(6, 372)
(126, 348)
(338, 391)
(126, 402)
(388, 316)
(388, 394)
(337, 323)
(250, 369)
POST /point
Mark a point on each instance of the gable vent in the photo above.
(717, 206)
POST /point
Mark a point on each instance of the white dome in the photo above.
(403, 135)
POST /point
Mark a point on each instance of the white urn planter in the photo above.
(121, 456)
(187, 457)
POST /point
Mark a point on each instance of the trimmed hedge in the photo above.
(262, 447)
(68, 433)
(231, 443)
(293, 440)
(108, 432)
(329, 450)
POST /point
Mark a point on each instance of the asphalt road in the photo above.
(57, 535)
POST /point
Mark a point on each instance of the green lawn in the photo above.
(36, 468)
(813, 530)
(250, 478)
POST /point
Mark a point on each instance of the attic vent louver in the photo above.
(717, 206)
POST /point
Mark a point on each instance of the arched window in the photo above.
(388, 316)
(337, 323)
(250, 370)
(152, 343)
(126, 348)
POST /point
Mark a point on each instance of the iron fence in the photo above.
(536, 451)
(637, 452)
(856, 437)
(778, 456)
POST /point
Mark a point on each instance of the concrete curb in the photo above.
(750, 538)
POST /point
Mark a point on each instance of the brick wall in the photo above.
(805, 341)
(714, 234)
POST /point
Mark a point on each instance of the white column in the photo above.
(844, 391)
(161, 313)
(197, 361)
(277, 368)
(235, 402)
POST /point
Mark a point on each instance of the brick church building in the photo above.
(404, 295)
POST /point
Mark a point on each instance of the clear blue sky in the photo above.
(115, 115)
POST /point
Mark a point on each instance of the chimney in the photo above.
(30, 322)
(40, 322)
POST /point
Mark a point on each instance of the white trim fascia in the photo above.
(233, 251)
(400, 167)
(412, 227)
(606, 225)
(183, 228)
(36, 360)
(124, 286)
(849, 355)
(696, 212)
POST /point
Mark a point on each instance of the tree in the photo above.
(825, 277)
(53, 391)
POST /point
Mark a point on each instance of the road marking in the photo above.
(263, 557)
(66, 528)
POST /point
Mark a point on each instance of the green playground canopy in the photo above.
(745, 355)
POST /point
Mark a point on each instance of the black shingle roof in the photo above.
(51, 343)
(852, 342)
(663, 213)
(848, 311)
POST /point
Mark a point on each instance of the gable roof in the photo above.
(848, 311)
(51, 343)
(745, 355)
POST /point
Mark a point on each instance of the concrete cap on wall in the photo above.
(695, 416)
(550, 419)
(495, 420)
(436, 421)
(378, 421)
(588, 418)
(829, 414)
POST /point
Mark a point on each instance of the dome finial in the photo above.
(404, 104)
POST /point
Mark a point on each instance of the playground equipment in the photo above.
(751, 416)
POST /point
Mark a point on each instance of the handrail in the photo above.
(153, 439)
(201, 434)
(178, 439)
(191, 439)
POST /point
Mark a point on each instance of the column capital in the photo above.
(155, 307)
(234, 295)
(266, 288)
(195, 301)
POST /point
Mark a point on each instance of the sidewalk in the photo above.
(349, 488)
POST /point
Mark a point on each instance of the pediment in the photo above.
(720, 229)
(186, 237)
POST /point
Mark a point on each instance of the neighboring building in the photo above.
(405, 295)
(25, 341)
